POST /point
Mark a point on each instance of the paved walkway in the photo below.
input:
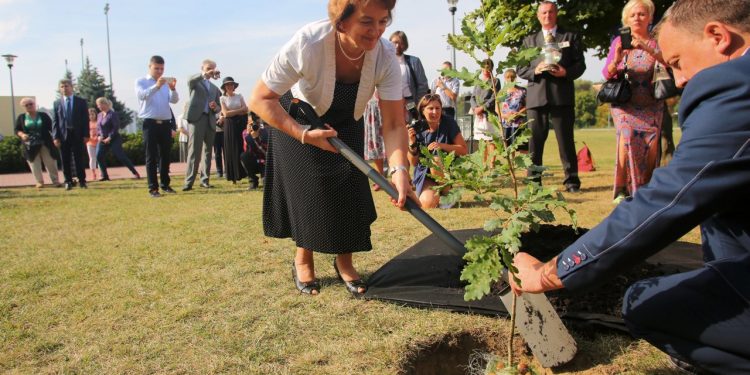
(115, 173)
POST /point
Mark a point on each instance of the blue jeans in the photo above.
(116, 146)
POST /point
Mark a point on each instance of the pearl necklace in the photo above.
(344, 52)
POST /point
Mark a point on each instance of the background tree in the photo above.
(585, 105)
(91, 85)
(595, 20)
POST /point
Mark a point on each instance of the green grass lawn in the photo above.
(109, 280)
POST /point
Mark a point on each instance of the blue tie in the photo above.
(69, 111)
(208, 91)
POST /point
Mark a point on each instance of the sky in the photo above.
(240, 35)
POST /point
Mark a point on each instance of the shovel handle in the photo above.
(299, 107)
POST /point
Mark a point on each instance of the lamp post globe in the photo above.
(9, 59)
(452, 8)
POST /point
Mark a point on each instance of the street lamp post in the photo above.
(109, 54)
(452, 9)
(82, 67)
(9, 59)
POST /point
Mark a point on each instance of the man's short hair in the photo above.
(65, 81)
(554, 4)
(156, 59)
(693, 15)
(208, 62)
(448, 63)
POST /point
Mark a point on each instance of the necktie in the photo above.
(69, 111)
(208, 90)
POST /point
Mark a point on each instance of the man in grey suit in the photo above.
(201, 115)
(550, 97)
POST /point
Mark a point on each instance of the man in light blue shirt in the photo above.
(447, 88)
(155, 93)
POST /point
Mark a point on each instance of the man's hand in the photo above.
(541, 68)
(160, 82)
(172, 84)
(57, 143)
(212, 105)
(535, 276)
(558, 71)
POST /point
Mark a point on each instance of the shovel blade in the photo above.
(542, 329)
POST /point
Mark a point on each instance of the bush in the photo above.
(12, 160)
(11, 156)
(136, 152)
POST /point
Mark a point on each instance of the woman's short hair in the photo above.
(340, 10)
(26, 100)
(426, 100)
(104, 100)
(512, 72)
(402, 37)
(634, 3)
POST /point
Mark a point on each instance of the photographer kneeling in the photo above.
(436, 132)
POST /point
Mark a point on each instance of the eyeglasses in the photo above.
(29, 104)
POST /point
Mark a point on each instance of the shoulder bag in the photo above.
(616, 90)
(664, 85)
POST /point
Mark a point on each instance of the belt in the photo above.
(158, 122)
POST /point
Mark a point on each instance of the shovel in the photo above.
(536, 321)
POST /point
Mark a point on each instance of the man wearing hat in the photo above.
(201, 115)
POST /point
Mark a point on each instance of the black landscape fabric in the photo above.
(427, 275)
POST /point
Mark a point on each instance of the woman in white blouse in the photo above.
(312, 194)
(234, 110)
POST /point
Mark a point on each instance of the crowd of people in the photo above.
(313, 196)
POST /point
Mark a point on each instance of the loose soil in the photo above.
(606, 298)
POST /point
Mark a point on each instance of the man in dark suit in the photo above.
(550, 94)
(701, 318)
(70, 131)
(201, 115)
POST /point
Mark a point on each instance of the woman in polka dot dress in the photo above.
(312, 194)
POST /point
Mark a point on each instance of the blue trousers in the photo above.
(116, 146)
(695, 316)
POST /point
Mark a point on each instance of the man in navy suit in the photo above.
(700, 318)
(70, 132)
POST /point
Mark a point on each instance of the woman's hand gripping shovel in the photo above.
(536, 321)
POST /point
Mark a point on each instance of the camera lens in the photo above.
(256, 127)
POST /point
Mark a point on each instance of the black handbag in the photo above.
(616, 90)
(664, 85)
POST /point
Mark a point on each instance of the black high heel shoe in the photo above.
(307, 287)
(352, 286)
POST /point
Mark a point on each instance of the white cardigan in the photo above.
(307, 66)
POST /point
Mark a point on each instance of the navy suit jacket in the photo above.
(80, 120)
(545, 88)
(707, 184)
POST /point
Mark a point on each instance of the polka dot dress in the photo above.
(316, 197)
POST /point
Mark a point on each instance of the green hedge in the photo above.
(12, 160)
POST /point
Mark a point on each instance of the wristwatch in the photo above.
(393, 170)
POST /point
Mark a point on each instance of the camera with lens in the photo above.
(216, 74)
(418, 125)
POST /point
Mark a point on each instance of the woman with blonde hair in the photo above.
(35, 130)
(108, 127)
(311, 193)
(638, 122)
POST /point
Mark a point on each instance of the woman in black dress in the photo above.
(235, 111)
(312, 194)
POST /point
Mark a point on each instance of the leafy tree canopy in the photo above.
(595, 20)
(91, 85)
